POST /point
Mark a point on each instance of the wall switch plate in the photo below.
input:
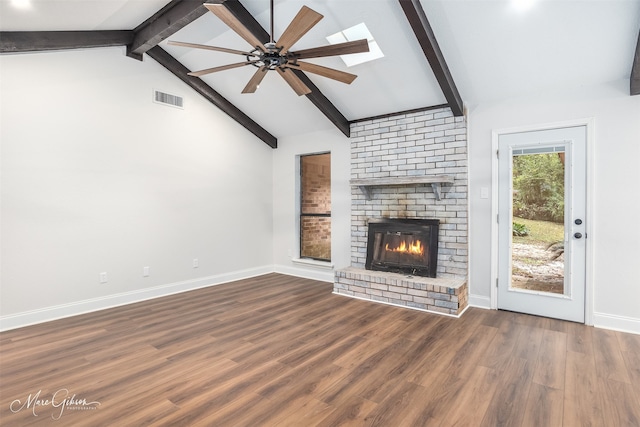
(196, 264)
(145, 271)
(102, 277)
(484, 192)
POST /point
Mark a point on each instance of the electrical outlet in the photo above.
(102, 277)
(196, 264)
(145, 271)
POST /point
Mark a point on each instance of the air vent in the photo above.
(168, 99)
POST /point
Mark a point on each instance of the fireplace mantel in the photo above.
(436, 182)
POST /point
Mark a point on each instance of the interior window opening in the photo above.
(315, 206)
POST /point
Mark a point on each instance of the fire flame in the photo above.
(414, 248)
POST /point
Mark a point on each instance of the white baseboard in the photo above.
(480, 301)
(18, 320)
(323, 274)
(616, 323)
(47, 314)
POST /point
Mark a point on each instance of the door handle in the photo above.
(578, 235)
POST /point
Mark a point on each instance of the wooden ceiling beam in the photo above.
(163, 24)
(247, 19)
(176, 68)
(325, 106)
(176, 15)
(316, 96)
(36, 41)
(635, 70)
(427, 39)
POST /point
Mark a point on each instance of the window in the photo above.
(315, 206)
(357, 32)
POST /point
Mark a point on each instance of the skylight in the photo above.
(357, 32)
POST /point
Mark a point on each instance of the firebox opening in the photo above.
(406, 246)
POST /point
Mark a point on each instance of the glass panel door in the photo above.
(541, 222)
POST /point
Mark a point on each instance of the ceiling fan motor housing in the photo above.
(270, 59)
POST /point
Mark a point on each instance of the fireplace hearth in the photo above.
(405, 246)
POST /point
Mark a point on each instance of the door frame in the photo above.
(589, 123)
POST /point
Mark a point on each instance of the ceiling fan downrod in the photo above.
(271, 59)
(271, 32)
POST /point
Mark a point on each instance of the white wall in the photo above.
(614, 197)
(285, 242)
(98, 178)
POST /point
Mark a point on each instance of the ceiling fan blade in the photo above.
(358, 46)
(296, 84)
(204, 46)
(234, 23)
(220, 68)
(252, 86)
(303, 22)
(331, 73)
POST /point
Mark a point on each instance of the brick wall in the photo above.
(316, 237)
(418, 144)
(316, 186)
(446, 296)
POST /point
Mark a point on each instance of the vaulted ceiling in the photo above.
(437, 52)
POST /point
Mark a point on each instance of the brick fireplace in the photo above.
(411, 166)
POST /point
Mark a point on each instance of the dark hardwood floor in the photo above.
(283, 351)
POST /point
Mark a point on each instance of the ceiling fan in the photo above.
(275, 55)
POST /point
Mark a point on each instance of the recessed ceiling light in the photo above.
(357, 32)
(522, 5)
(21, 4)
